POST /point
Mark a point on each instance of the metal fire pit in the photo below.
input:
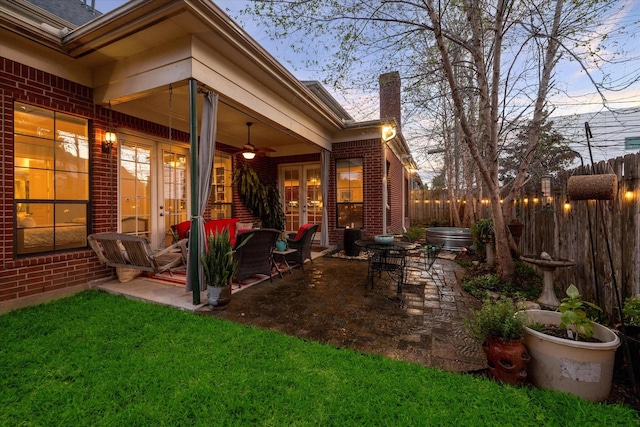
(452, 238)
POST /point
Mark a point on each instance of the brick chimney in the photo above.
(390, 96)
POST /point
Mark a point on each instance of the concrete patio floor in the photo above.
(327, 302)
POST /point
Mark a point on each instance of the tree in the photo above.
(496, 57)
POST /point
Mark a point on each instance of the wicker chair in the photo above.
(255, 256)
(301, 241)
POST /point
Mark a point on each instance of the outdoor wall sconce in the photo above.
(108, 142)
(388, 133)
(567, 205)
(628, 195)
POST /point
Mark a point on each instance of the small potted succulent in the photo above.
(500, 329)
(281, 243)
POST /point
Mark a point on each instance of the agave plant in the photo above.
(217, 261)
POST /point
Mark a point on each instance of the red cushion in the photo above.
(301, 231)
(215, 226)
(183, 228)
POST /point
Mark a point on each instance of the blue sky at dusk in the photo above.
(577, 94)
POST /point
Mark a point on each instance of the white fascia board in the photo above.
(132, 77)
(33, 54)
(266, 97)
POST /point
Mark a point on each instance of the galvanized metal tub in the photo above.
(452, 238)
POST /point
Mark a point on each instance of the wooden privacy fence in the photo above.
(573, 229)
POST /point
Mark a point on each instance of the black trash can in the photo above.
(350, 237)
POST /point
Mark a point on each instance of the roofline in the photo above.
(121, 21)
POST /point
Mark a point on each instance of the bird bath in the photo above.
(548, 266)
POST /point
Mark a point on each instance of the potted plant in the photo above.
(500, 329)
(579, 360)
(219, 268)
(482, 232)
(630, 331)
(281, 243)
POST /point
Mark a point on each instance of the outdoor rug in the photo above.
(179, 278)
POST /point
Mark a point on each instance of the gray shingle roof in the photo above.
(77, 12)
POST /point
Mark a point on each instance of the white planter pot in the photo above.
(581, 368)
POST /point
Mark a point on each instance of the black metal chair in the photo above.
(301, 241)
(389, 259)
(255, 256)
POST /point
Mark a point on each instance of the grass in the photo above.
(97, 359)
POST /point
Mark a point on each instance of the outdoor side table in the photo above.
(283, 258)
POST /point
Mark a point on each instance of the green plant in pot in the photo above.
(281, 243)
(574, 315)
(631, 311)
(500, 329)
(630, 332)
(482, 232)
(219, 268)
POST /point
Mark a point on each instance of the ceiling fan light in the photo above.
(249, 150)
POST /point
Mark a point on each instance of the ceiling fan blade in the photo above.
(266, 149)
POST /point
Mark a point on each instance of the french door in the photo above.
(153, 188)
(301, 188)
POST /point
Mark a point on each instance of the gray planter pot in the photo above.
(219, 297)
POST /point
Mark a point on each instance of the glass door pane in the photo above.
(313, 202)
(291, 196)
(135, 188)
(173, 191)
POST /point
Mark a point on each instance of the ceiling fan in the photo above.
(250, 150)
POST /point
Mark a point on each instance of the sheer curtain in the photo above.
(206, 152)
(324, 179)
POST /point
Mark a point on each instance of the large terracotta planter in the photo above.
(507, 360)
(581, 368)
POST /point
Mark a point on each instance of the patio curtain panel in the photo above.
(324, 179)
(206, 152)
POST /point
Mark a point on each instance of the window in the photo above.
(51, 180)
(222, 194)
(350, 193)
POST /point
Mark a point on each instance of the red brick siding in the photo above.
(395, 180)
(370, 151)
(28, 276)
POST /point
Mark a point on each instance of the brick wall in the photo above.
(395, 185)
(371, 153)
(26, 277)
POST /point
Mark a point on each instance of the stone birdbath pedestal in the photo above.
(548, 266)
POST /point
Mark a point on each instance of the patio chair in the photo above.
(255, 256)
(301, 241)
(122, 250)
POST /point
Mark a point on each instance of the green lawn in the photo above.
(98, 359)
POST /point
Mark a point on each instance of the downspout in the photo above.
(385, 195)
